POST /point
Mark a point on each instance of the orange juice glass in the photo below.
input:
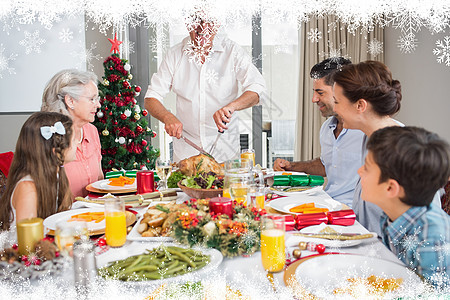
(272, 242)
(248, 154)
(116, 224)
(256, 195)
(238, 192)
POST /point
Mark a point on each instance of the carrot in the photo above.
(121, 181)
(300, 208)
(286, 173)
(88, 217)
(315, 210)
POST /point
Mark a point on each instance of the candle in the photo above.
(145, 182)
(221, 205)
(29, 232)
(342, 217)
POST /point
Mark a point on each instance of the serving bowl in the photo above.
(200, 193)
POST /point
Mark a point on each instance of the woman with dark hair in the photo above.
(366, 97)
(37, 185)
(75, 94)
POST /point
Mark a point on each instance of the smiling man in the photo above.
(340, 148)
(205, 71)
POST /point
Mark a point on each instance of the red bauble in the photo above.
(123, 116)
(106, 107)
(144, 112)
(320, 248)
(110, 113)
(139, 129)
(154, 134)
(137, 89)
(144, 142)
(120, 95)
(115, 123)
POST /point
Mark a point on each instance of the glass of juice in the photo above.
(116, 224)
(272, 242)
(248, 154)
(67, 232)
(163, 169)
(256, 195)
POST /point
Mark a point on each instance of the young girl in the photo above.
(37, 185)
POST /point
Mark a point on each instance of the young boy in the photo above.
(403, 169)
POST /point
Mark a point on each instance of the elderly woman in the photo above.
(74, 93)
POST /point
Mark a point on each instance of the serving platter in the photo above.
(140, 248)
(134, 235)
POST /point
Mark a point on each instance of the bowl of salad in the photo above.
(203, 185)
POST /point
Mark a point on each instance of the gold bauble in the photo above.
(137, 116)
(105, 132)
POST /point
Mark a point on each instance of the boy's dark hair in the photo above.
(327, 68)
(417, 159)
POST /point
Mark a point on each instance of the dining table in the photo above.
(244, 273)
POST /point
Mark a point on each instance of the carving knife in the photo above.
(195, 146)
(217, 138)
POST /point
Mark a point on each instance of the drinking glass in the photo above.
(248, 154)
(116, 224)
(238, 174)
(66, 233)
(163, 169)
(256, 195)
(272, 242)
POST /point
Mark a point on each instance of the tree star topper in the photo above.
(115, 44)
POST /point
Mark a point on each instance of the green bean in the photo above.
(182, 257)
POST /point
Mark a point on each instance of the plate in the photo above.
(308, 190)
(286, 203)
(134, 235)
(93, 228)
(140, 248)
(103, 186)
(50, 222)
(320, 275)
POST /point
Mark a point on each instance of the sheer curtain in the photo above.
(321, 38)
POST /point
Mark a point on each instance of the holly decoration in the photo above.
(123, 146)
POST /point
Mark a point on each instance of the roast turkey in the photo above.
(199, 163)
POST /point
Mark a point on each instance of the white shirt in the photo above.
(202, 89)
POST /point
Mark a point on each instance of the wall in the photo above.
(425, 82)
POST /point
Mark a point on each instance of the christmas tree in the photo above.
(121, 123)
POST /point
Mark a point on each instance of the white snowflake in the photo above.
(443, 51)
(409, 243)
(407, 43)
(66, 35)
(200, 51)
(5, 61)
(128, 47)
(407, 21)
(211, 76)
(88, 55)
(375, 47)
(334, 54)
(32, 42)
(282, 44)
(332, 26)
(314, 35)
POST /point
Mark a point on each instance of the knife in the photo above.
(217, 138)
(191, 143)
(337, 236)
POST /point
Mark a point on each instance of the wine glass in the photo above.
(163, 169)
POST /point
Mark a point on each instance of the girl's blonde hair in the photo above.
(43, 160)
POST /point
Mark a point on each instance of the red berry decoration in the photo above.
(145, 112)
(15, 246)
(28, 263)
(101, 242)
(138, 89)
(320, 248)
(57, 254)
(24, 258)
(37, 262)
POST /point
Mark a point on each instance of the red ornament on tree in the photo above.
(154, 134)
(144, 143)
(123, 116)
(137, 89)
(110, 113)
(144, 112)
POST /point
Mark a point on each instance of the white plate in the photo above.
(50, 222)
(333, 243)
(134, 235)
(103, 185)
(321, 275)
(286, 203)
(139, 248)
(308, 191)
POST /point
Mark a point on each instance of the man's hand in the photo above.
(281, 165)
(173, 126)
(222, 117)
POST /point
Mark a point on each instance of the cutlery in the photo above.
(337, 236)
(217, 138)
(195, 146)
